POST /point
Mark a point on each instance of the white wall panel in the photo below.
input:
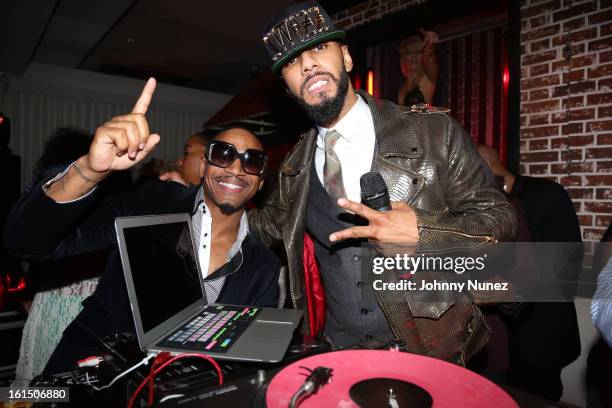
(48, 97)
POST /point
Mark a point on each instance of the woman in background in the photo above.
(419, 67)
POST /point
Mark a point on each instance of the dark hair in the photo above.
(203, 137)
(64, 145)
(213, 133)
(207, 134)
(225, 128)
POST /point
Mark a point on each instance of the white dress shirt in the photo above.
(355, 149)
(202, 228)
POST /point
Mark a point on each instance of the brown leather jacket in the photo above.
(430, 162)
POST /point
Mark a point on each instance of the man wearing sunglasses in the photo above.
(440, 188)
(48, 222)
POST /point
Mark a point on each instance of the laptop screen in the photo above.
(163, 269)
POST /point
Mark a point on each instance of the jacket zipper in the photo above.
(488, 237)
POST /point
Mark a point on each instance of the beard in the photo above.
(227, 208)
(329, 108)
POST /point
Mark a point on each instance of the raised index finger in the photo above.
(142, 104)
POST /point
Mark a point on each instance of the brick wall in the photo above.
(566, 102)
(371, 10)
(566, 98)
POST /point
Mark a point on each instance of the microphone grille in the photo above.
(372, 184)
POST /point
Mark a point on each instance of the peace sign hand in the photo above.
(124, 141)
(398, 225)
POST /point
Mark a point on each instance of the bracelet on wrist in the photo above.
(81, 174)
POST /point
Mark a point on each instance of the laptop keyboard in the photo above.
(216, 329)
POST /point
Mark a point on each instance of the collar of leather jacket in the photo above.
(388, 135)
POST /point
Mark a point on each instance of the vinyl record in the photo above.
(414, 380)
(383, 392)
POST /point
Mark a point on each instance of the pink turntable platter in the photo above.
(447, 385)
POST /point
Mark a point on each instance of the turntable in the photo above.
(356, 378)
(378, 378)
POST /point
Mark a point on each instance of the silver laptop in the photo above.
(168, 300)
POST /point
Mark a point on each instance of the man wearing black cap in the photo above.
(440, 188)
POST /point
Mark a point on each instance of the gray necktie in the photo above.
(332, 170)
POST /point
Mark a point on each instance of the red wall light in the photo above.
(21, 285)
(357, 82)
(506, 77)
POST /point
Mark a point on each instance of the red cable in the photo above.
(151, 382)
(159, 359)
(165, 364)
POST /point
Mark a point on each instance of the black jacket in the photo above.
(40, 229)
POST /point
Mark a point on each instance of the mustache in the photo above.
(233, 179)
(309, 77)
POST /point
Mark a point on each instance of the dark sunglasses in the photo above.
(223, 154)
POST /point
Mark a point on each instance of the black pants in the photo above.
(599, 392)
(544, 382)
